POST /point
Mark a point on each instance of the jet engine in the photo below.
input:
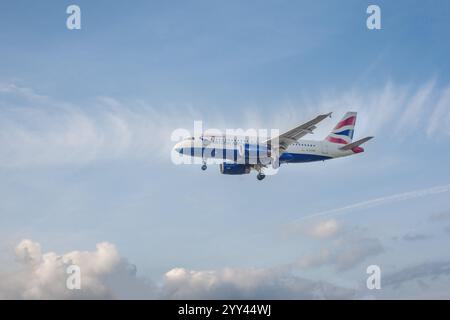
(234, 169)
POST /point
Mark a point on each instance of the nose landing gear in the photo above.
(204, 167)
(259, 169)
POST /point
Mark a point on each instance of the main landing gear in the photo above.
(204, 167)
(260, 176)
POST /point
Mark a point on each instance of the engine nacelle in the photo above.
(233, 168)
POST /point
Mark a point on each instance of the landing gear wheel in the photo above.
(204, 167)
(260, 176)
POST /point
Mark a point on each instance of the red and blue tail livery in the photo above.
(343, 131)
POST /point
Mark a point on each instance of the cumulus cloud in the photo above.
(104, 274)
(107, 275)
(345, 250)
(354, 253)
(252, 283)
(344, 254)
(323, 257)
(324, 229)
(342, 248)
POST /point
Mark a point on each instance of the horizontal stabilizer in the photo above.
(355, 144)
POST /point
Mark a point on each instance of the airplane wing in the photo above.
(291, 136)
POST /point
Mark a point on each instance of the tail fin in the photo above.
(343, 132)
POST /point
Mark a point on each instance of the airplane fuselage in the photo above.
(243, 150)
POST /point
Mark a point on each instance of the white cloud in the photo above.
(107, 275)
(427, 280)
(251, 283)
(38, 130)
(341, 248)
(315, 260)
(56, 134)
(344, 254)
(324, 229)
(440, 116)
(414, 110)
(104, 274)
(13, 89)
(321, 229)
(28, 252)
(376, 202)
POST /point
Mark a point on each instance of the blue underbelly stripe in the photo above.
(286, 157)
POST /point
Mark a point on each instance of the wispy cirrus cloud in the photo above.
(38, 130)
(415, 108)
(49, 132)
(377, 202)
(440, 116)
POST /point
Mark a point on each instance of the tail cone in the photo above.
(357, 149)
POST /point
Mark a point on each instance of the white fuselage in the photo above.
(245, 149)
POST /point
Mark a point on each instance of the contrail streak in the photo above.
(379, 201)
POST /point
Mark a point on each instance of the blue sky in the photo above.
(86, 118)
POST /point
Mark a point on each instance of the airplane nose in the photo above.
(178, 148)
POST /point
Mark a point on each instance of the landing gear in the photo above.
(259, 169)
(204, 167)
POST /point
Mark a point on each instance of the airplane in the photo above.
(239, 155)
